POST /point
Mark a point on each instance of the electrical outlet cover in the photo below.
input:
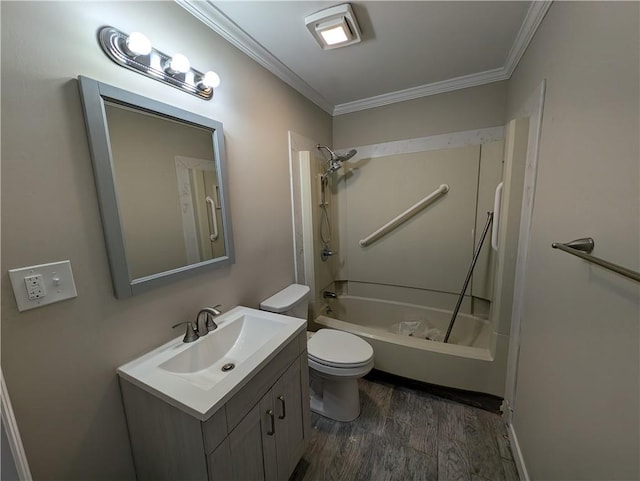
(37, 286)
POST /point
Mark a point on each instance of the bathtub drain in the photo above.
(228, 367)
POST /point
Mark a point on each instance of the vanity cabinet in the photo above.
(269, 441)
(259, 434)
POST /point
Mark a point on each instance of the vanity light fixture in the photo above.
(135, 52)
(334, 27)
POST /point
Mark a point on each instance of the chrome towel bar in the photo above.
(583, 248)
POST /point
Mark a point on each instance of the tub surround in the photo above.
(423, 261)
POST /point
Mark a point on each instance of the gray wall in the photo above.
(576, 406)
(466, 109)
(59, 361)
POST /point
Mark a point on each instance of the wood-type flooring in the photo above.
(408, 434)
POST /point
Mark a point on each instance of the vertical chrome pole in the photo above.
(476, 254)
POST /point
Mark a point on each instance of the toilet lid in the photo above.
(332, 347)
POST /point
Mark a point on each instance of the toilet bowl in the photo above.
(336, 359)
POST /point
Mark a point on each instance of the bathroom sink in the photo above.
(232, 343)
(200, 376)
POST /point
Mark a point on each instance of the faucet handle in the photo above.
(191, 334)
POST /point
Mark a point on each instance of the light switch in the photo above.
(37, 286)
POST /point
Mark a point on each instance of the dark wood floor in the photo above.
(408, 434)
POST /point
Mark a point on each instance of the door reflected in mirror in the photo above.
(200, 208)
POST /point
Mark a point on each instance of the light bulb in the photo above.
(138, 44)
(209, 80)
(179, 64)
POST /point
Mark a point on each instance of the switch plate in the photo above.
(37, 286)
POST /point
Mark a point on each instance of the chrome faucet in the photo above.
(209, 324)
(197, 329)
(329, 295)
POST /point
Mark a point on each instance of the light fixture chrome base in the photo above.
(113, 42)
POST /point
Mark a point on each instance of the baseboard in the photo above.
(13, 435)
(517, 454)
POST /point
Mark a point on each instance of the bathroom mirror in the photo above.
(160, 178)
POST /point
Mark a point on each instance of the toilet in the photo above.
(337, 359)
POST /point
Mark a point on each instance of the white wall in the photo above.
(576, 405)
(59, 361)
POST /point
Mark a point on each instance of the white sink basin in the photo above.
(190, 375)
(233, 342)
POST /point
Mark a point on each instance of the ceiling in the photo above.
(409, 49)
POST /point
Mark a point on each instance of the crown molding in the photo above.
(449, 85)
(223, 26)
(207, 13)
(530, 24)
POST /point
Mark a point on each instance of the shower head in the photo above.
(335, 160)
(347, 156)
(337, 157)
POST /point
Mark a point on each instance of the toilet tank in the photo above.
(291, 301)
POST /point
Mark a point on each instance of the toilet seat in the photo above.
(340, 373)
(324, 362)
(339, 350)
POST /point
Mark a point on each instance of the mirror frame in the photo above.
(93, 95)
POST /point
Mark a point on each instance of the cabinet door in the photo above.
(269, 437)
(288, 408)
(246, 453)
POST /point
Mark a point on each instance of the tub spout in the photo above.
(329, 295)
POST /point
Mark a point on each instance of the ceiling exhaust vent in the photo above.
(334, 27)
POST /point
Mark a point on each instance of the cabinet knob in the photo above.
(284, 408)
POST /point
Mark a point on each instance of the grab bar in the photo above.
(497, 205)
(578, 248)
(407, 214)
(214, 221)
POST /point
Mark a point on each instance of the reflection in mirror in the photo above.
(200, 208)
(159, 172)
(159, 167)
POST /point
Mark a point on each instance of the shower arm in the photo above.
(331, 152)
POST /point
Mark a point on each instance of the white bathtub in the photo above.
(468, 361)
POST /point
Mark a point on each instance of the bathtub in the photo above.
(474, 359)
